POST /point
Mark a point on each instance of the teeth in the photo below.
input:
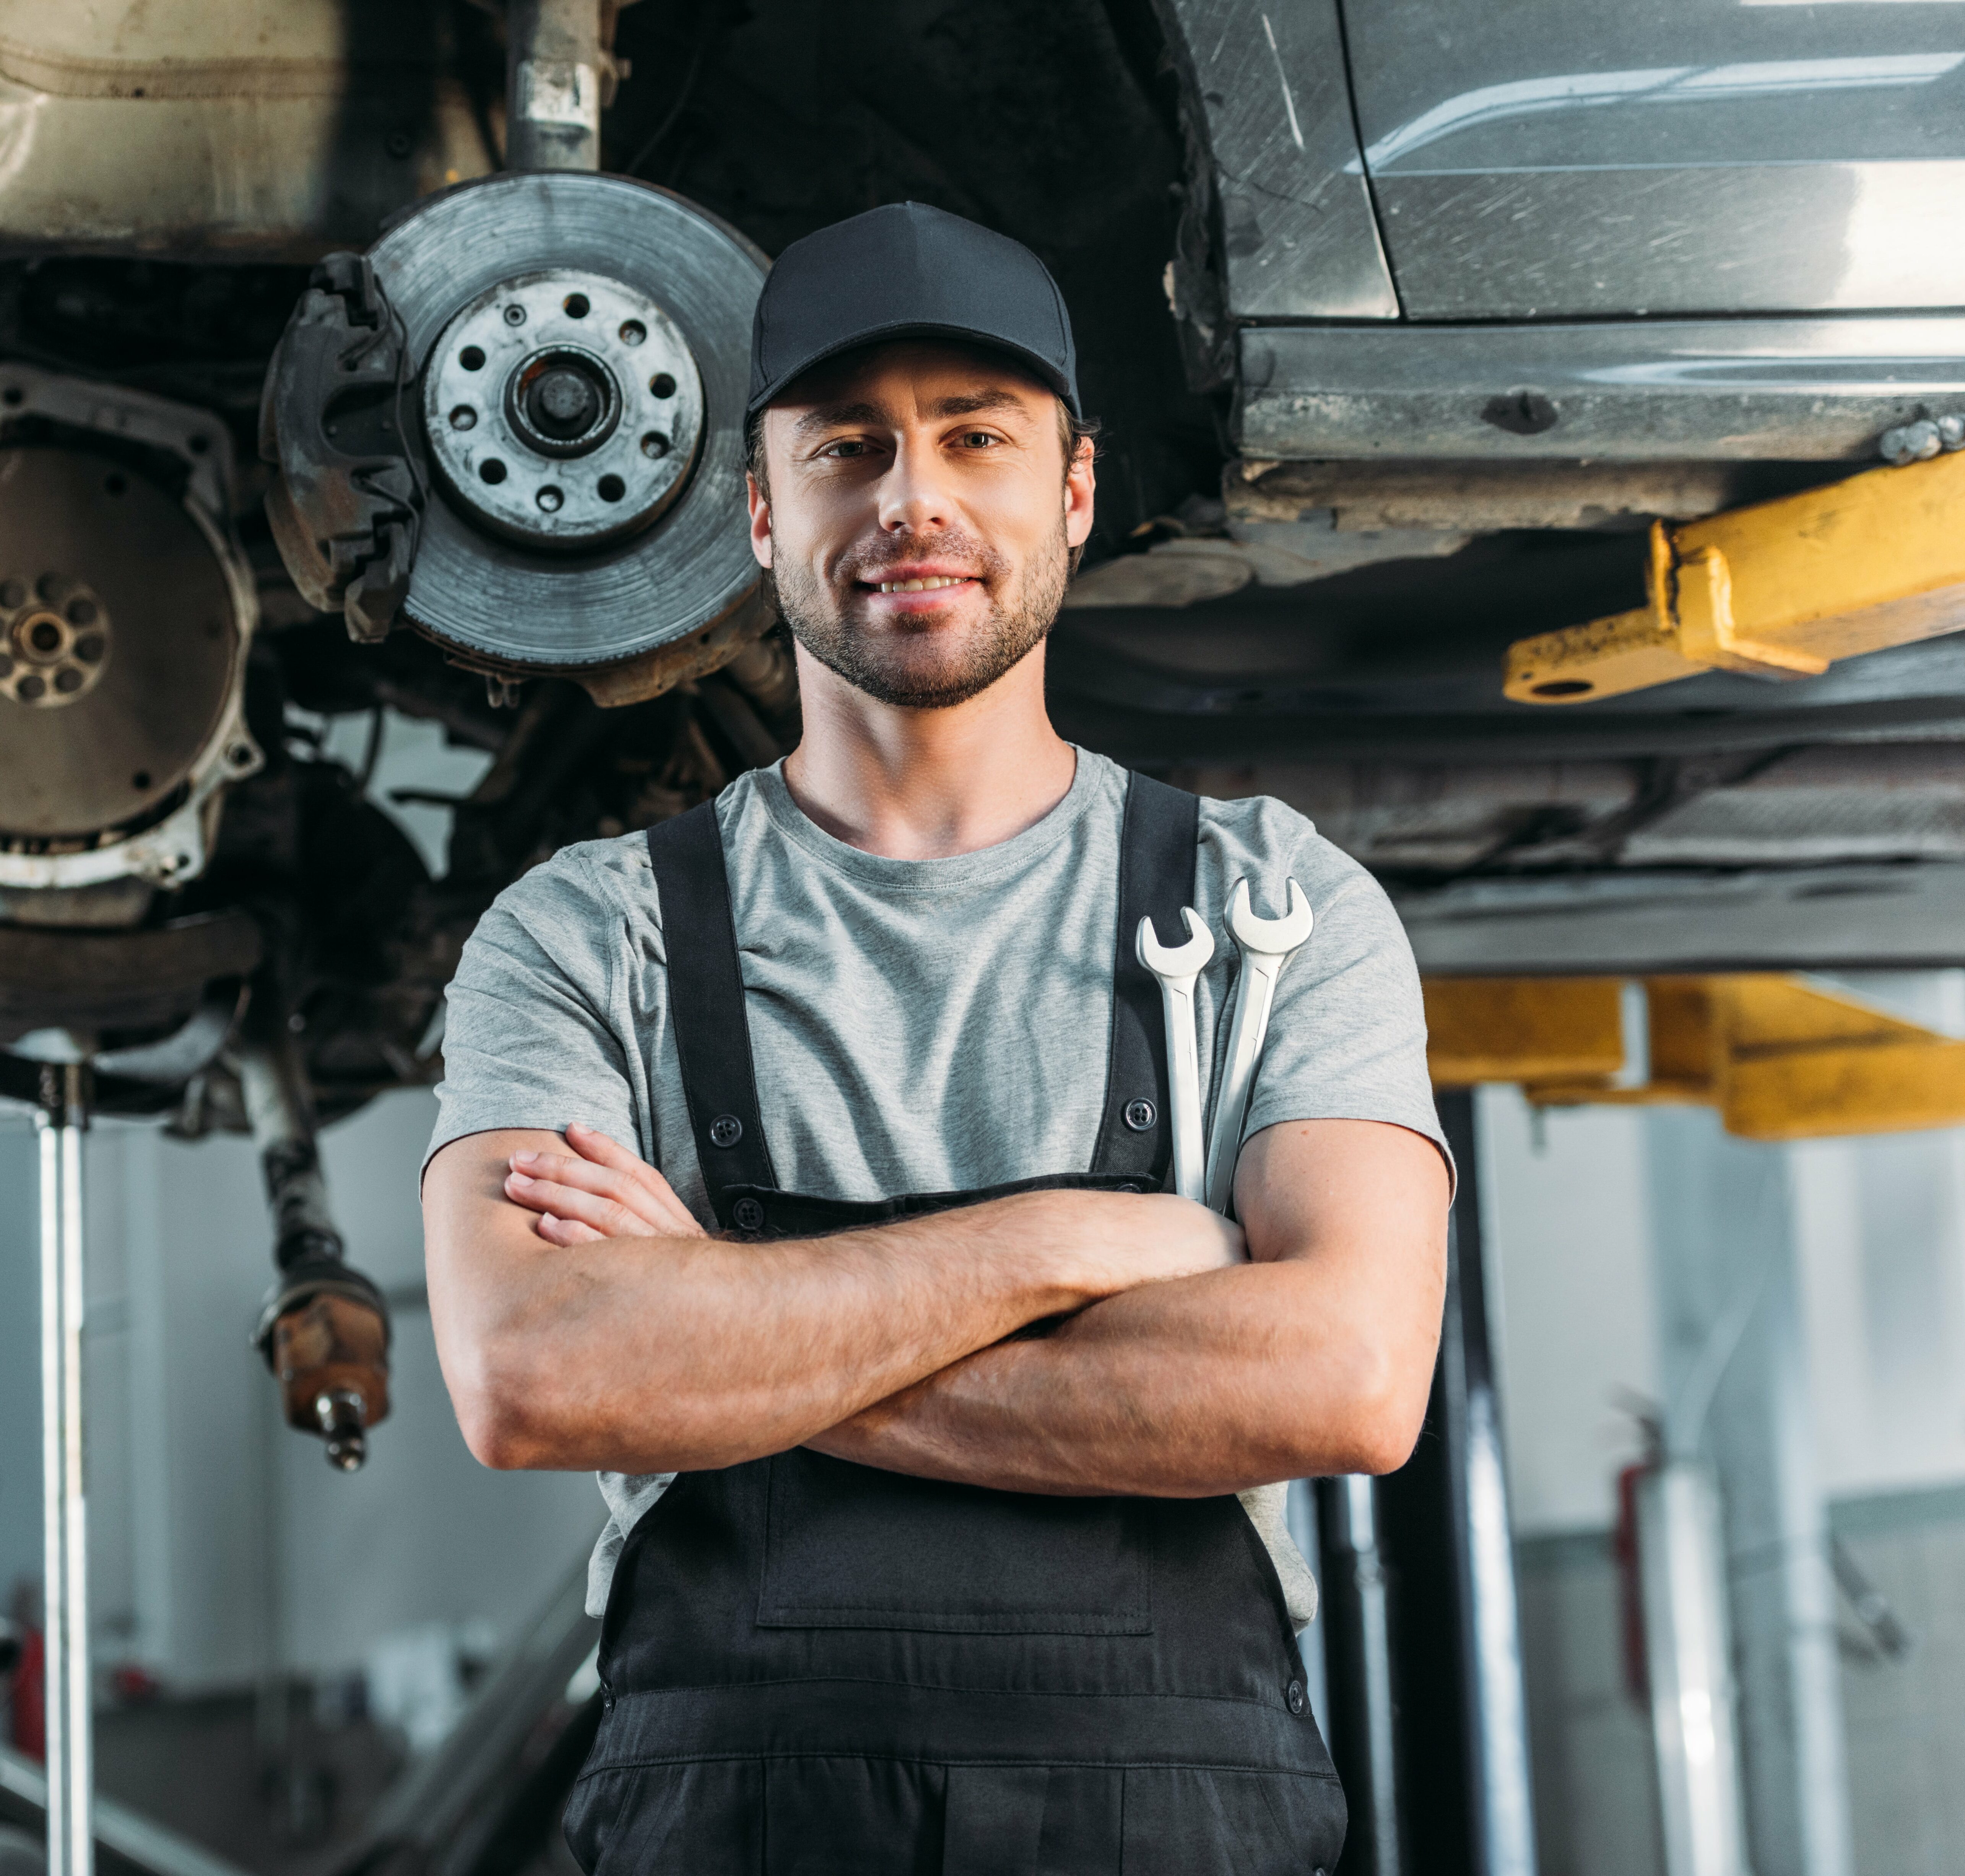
(922, 586)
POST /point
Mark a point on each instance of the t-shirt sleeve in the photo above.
(1347, 1035)
(530, 1037)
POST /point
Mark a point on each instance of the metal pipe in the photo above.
(1689, 1664)
(63, 1117)
(555, 69)
(1358, 1654)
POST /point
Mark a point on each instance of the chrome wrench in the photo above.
(1266, 945)
(1177, 969)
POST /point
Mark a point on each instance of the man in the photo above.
(920, 1407)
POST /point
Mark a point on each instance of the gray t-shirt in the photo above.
(917, 1025)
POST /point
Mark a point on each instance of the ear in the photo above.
(761, 521)
(1079, 486)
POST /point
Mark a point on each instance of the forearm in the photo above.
(578, 1325)
(661, 1354)
(1224, 1381)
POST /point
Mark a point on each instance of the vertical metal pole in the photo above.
(1358, 1657)
(63, 1116)
(1443, 1523)
(1689, 1662)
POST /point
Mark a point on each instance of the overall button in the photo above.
(749, 1214)
(1299, 1703)
(725, 1130)
(1141, 1115)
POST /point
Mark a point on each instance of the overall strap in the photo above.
(1157, 857)
(706, 1005)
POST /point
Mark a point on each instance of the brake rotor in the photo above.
(118, 646)
(613, 523)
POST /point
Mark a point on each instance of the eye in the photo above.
(980, 439)
(846, 447)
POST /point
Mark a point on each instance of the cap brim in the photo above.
(1044, 370)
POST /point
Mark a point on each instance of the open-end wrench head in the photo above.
(1179, 960)
(1274, 937)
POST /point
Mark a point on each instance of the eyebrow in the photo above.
(826, 417)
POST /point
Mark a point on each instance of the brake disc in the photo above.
(583, 344)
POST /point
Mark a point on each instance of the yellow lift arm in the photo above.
(1779, 589)
(1781, 1058)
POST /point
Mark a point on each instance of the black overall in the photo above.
(812, 1666)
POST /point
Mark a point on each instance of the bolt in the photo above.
(563, 402)
(550, 499)
(515, 316)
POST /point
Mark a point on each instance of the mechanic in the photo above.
(801, 1168)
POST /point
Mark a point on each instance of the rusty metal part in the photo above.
(1780, 589)
(336, 418)
(324, 1328)
(111, 570)
(329, 1353)
(1780, 1057)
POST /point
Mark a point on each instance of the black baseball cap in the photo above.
(907, 271)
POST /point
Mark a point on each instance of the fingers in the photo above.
(600, 1182)
(606, 1216)
(592, 1145)
(565, 1230)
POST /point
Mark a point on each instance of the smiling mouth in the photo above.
(931, 584)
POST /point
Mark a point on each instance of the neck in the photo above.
(923, 784)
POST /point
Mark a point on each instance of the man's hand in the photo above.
(598, 1189)
(1317, 1360)
(1314, 1357)
(663, 1349)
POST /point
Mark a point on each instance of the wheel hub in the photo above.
(564, 409)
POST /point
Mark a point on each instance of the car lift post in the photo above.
(61, 1121)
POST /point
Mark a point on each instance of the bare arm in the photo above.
(663, 1349)
(1315, 1357)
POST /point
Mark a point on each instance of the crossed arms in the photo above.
(584, 1319)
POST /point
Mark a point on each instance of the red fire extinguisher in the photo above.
(27, 1696)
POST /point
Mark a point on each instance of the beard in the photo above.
(920, 661)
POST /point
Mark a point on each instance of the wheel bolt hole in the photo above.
(577, 305)
(655, 444)
(463, 418)
(612, 488)
(67, 681)
(550, 499)
(88, 648)
(662, 384)
(491, 470)
(472, 358)
(632, 332)
(81, 612)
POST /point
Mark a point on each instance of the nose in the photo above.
(914, 495)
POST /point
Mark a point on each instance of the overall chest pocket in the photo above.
(849, 1546)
